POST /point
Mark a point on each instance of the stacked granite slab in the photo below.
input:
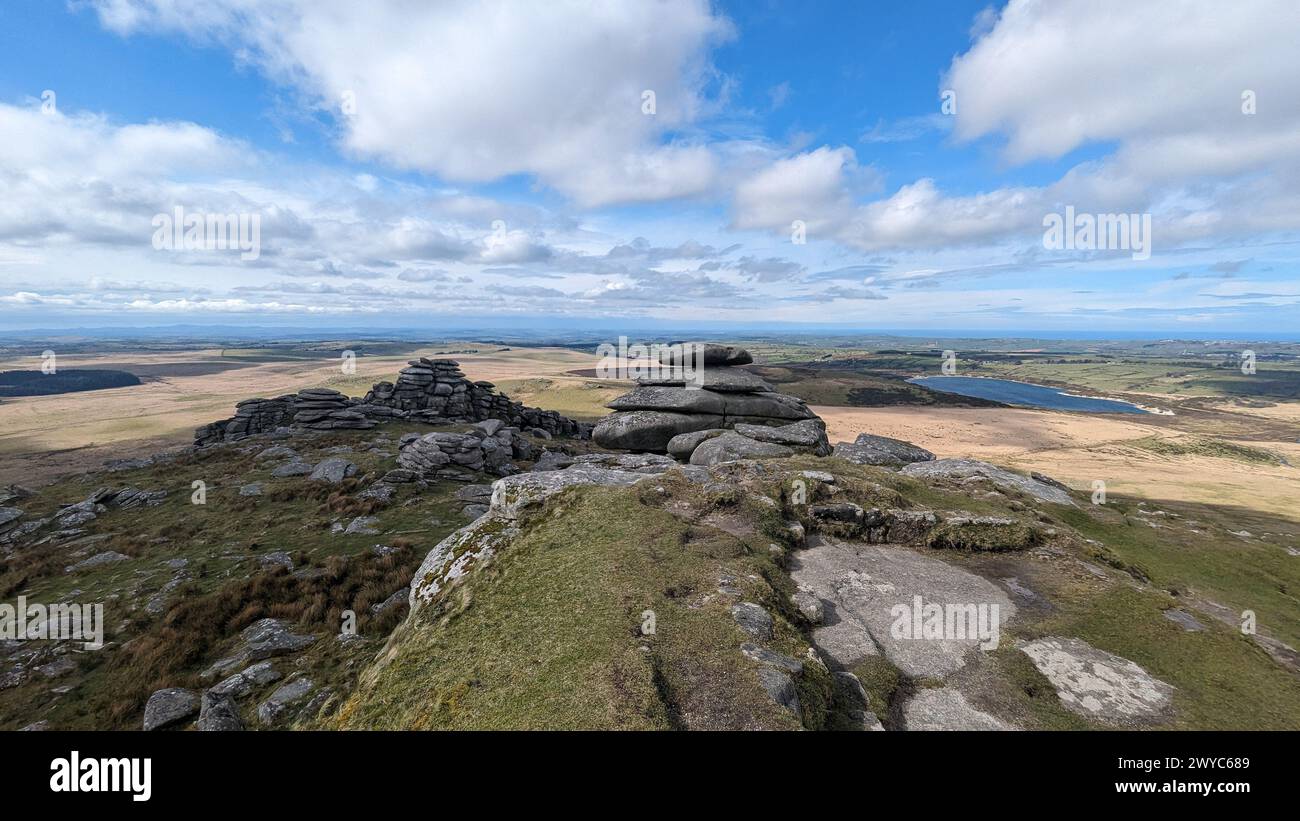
(487, 448)
(325, 409)
(252, 416)
(427, 390)
(721, 399)
(435, 390)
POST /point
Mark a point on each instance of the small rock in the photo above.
(275, 707)
(333, 471)
(753, 619)
(219, 713)
(169, 707)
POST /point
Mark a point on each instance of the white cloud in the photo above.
(478, 91)
(1053, 77)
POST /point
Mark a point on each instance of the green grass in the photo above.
(547, 635)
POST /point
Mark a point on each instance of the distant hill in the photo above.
(36, 383)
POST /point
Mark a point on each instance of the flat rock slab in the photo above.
(1003, 478)
(947, 709)
(1100, 685)
(863, 584)
(881, 451)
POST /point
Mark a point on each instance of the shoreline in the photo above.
(1062, 392)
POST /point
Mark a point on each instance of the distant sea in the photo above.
(1022, 393)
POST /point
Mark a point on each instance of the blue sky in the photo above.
(411, 161)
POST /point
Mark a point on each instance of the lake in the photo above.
(1022, 393)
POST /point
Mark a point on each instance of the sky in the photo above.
(868, 165)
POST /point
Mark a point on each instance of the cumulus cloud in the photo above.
(1048, 78)
(477, 91)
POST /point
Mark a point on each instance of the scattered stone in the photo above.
(166, 708)
(753, 619)
(1099, 685)
(771, 658)
(947, 709)
(279, 557)
(362, 526)
(262, 639)
(278, 704)
(242, 683)
(98, 560)
(853, 703)
(218, 713)
(61, 666)
(780, 686)
(806, 602)
(333, 471)
(292, 469)
(397, 598)
(254, 489)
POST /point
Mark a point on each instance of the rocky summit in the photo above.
(436, 555)
(678, 412)
(427, 390)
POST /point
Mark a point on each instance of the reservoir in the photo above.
(1022, 393)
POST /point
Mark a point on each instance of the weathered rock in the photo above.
(1099, 685)
(947, 709)
(219, 713)
(678, 400)
(868, 449)
(731, 446)
(852, 702)
(771, 658)
(166, 708)
(682, 445)
(292, 469)
(333, 471)
(456, 555)
(242, 683)
(808, 436)
(98, 560)
(254, 489)
(514, 495)
(809, 605)
(550, 460)
(974, 469)
(780, 686)
(753, 619)
(868, 589)
(278, 705)
(362, 526)
(649, 430)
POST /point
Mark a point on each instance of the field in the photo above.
(1220, 446)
